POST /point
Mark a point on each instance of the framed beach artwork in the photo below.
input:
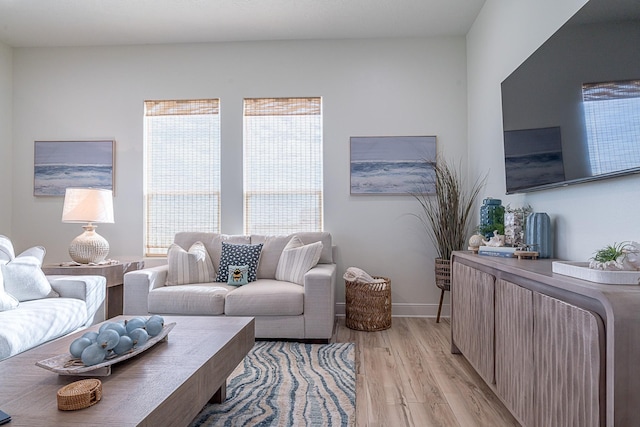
(62, 164)
(392, 164)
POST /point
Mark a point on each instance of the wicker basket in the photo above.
(368, 305)
(80, 394)
(443, 274)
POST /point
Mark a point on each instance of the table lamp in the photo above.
(88, 205)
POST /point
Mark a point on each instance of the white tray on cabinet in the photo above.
(581, 270)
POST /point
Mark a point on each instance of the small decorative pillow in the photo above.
(23, 277)
(248, 255)
(185, 267)
(6, 250)
(7, 301)
(238, 275)
(296, 259)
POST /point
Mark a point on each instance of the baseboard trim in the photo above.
(406, 310)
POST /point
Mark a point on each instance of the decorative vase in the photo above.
(491, 216)
(538, 234)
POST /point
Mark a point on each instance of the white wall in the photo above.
(6, 73)
(375, 87)
(585, 216)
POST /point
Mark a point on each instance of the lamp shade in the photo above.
(87, 205)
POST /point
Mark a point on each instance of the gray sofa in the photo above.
(282, 309)
(80, 304)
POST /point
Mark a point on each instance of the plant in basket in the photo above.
(446, 215)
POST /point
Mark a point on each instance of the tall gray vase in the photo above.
(538, 234)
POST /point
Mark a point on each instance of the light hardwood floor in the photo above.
(407, 376)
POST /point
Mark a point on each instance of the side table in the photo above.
(114, 273)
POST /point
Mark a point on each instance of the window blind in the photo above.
(282, 165)
(182, 170)
(611, 111)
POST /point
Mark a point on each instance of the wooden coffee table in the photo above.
(167, 385)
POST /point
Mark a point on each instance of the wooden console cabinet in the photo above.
(557, 351)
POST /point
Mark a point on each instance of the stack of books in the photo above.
(499, 251)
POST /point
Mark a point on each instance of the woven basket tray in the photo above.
(79, 394)
(368, 305)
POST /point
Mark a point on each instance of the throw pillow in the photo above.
(238, 275)
(6, 250)
(239, 255)
(7, 301)
(23, 277)
(194, 266)
(296, 259)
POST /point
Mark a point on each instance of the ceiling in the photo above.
(47, 23)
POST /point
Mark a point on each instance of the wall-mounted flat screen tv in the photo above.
(571, 111)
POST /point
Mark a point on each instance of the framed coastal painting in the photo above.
(395, 165)
(62, 164)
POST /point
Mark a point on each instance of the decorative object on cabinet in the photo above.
(515, 223)
(491, 217)
(475, 242)
(496, 241)
(62, 164)
(526, 254)
(613, 257)
(392, 164)
(88, 205)
(538, 235)
(581, 270)
(446, 216)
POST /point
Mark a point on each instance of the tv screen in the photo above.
(571, 111)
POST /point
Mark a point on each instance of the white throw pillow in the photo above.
(6, 250)
(23, 277)
(185, 267)
(7, 302)
(296, 259)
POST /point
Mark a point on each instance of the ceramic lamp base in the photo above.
(89, 247)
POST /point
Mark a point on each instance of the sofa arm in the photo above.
(320, 301)
(137, 285)
(91, 289)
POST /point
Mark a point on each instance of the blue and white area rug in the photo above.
(289, 384)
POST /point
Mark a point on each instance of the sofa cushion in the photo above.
(23, 277)
(238, 275)
(271, 250)
(194, 299)
(38, 321)
(326, 257)
(274, 245)
(265, 297)
(6, 250)
(296, 259)
(7, 301)
(212, 241)
(239, 255)
(194, 266)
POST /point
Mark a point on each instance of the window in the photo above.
(282, 165)
(182, 170)
(611, 111)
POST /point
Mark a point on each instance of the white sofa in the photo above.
(282, 309)
(80, 304)
(35, 308)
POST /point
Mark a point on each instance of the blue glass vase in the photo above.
(538, 234)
